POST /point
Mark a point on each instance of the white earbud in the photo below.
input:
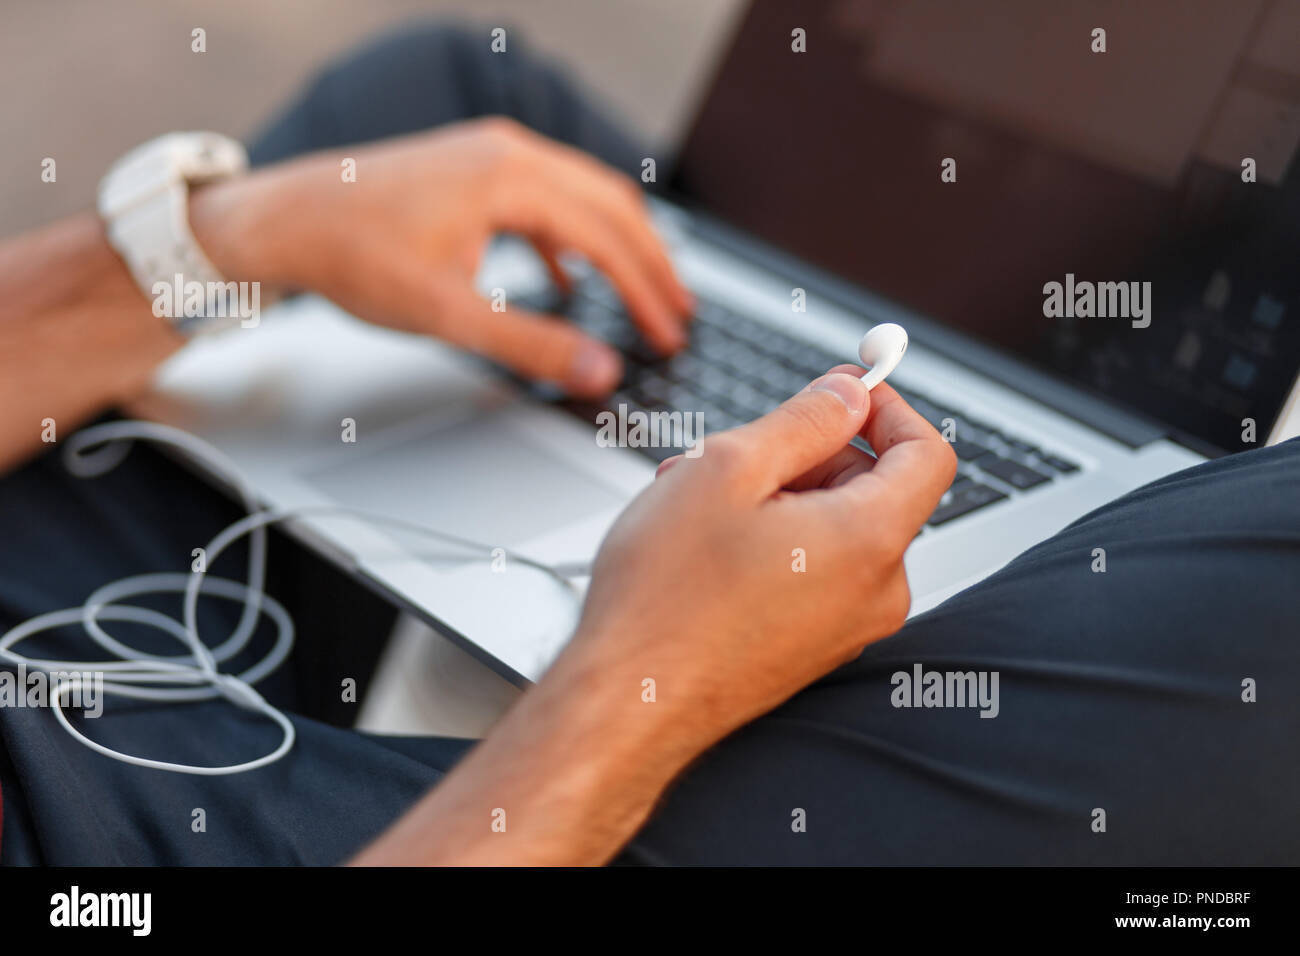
(881, 349)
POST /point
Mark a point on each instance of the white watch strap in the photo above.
(144, 201)
(155, 239)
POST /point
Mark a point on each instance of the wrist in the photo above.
(576, 767)
(671, 703)
(240, 228)
(623, 715)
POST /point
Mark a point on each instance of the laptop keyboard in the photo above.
(735, 369)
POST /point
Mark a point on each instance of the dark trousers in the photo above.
(1145, 714)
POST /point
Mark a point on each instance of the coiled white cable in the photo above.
(194, 675)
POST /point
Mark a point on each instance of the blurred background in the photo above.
(85, 80)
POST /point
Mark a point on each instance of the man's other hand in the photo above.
(400, 245)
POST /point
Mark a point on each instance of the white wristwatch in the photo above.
(143, 200)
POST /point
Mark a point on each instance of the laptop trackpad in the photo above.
(482, 478)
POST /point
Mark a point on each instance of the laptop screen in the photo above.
(1105, 190)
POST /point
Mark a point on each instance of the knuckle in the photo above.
(629, 191)
(881, 551)
(874, 559)
(898, 603)
(507, 142)
(725, 455)
(897, 543)
(503, 128)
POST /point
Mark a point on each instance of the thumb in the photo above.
(534, 345)
(807, 429)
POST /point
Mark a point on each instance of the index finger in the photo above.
(551, 210)
(621, 200)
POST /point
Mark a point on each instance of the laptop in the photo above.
(968, 171)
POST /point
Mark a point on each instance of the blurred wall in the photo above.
(84, 80)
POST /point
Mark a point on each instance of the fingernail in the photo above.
(672, 340)
(595, 368)
(846, 388)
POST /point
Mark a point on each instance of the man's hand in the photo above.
(400, 246)
(696, 588)
(743, 575)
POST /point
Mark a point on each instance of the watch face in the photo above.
(210, 155)
(142, 200)
(160, 164)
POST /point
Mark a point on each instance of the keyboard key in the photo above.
(660, 453)
(982, 435)
(978, 425)
(1060, 464)
(650, 391)
(747, 361)
(716, 419)
(744, 400)
(962, 498)
(969, 450)
(771, 340)
(714, 381)
(936, 416)
(598, 289)
(715, 350)
(1012, 472)
(683, 367)
(778, 385)
(1021, 446)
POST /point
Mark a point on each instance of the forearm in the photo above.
(568, 776)
(76, 334)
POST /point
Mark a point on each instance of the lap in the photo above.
(429, 75)
(1120, 691)
(63, 538)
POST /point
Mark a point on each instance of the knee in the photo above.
(423, 60)
(1257, 489)
(416, 77)
(412, 46)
